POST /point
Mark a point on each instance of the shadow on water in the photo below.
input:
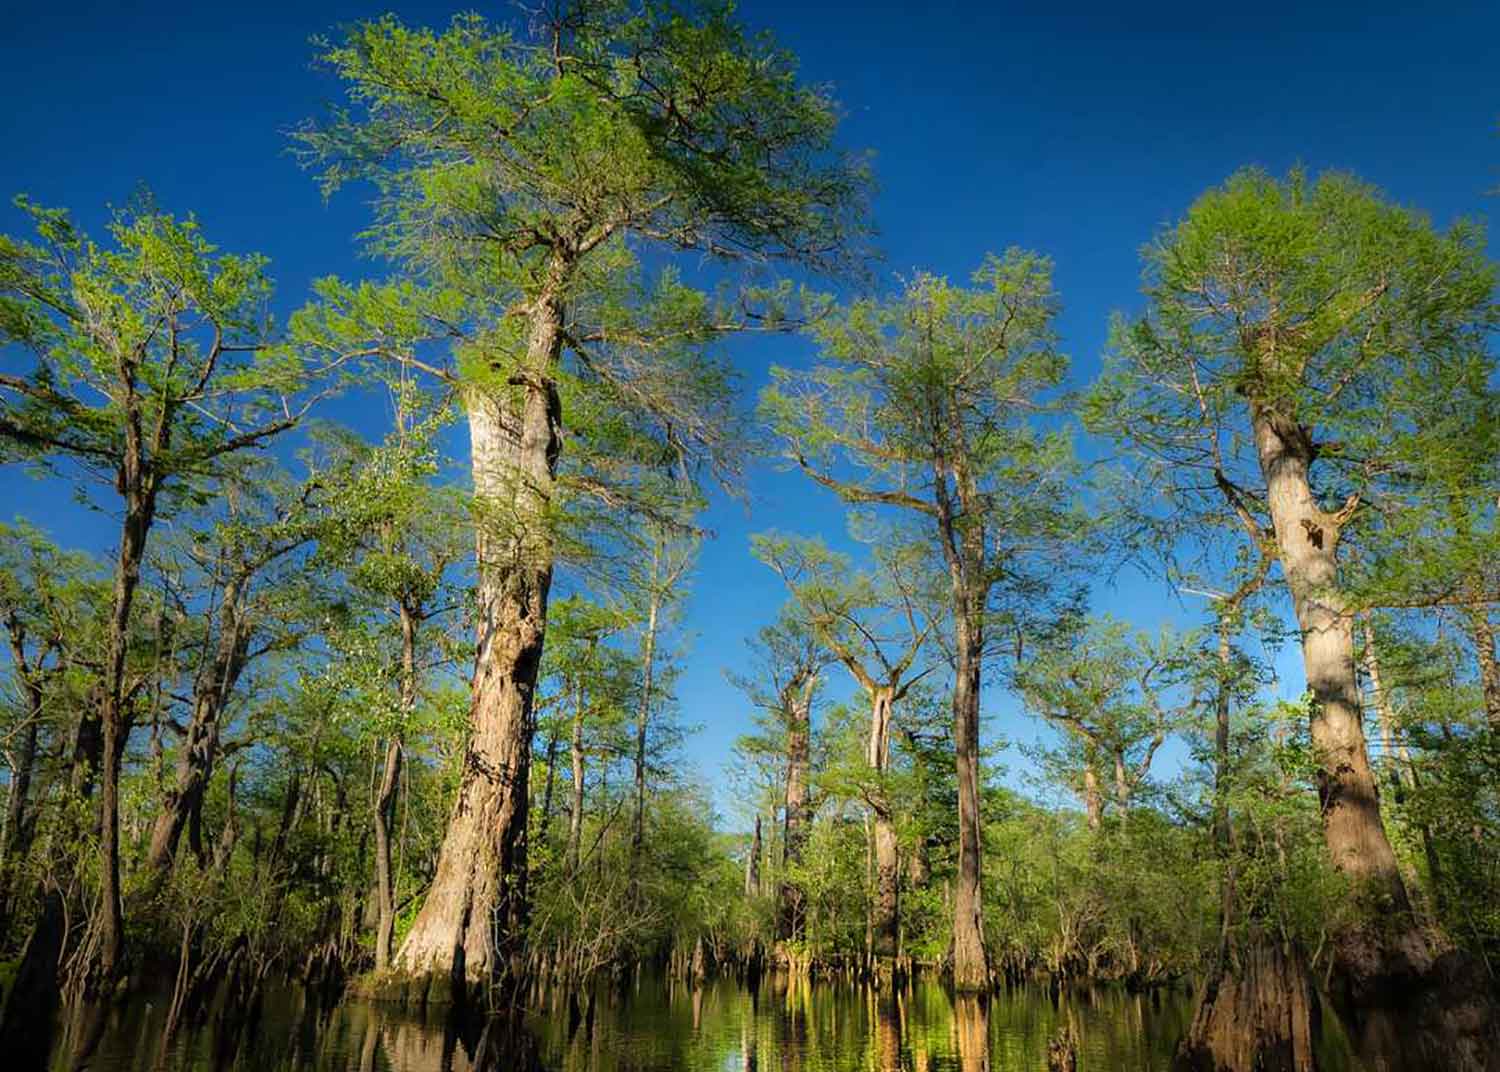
(640, 1024)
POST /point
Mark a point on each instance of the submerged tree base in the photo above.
(430, 989)
(1404, 1007)
(1260, 1015)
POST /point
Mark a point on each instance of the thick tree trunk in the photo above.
(885, 911)
(1307, 539)
(1260, 1014)
(472, 927)
(970, 961)
(1402, 1001)
(1122, 787)
(797, 820)
(1093, 800)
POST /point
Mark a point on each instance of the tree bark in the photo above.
(885, 922)
(546, 817)
(1122, 787)
(18, 820)
(1392, 744)
(1093, 801)
(1403, 1001)
(385, 797)
(970, 961)
(1489, 668)
(643, 714)
(796, 817)
(200, 744)
(1259, 1017)
(575, 813)
(114, 715)
(1307, 539)
(472, 926)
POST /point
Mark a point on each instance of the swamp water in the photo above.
(654, 1025)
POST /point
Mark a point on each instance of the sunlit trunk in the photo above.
(793, 914)
(472, 926)
(1307, 540)
(970, 962)
(1405, 1001)
(1093, 800)
(1489, 668)
(885, 904)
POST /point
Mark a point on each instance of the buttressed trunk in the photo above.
(885, 908)
(472, 926)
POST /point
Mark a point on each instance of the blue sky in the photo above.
(1073, 129)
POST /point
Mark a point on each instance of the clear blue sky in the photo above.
(1076, 132)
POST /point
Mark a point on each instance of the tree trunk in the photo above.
(385, 797)
(1260, 1016)
(114, 715)
(1122, 787)
(472, 926)
(575, 815)
(793, 915)
(1489, 668)
(1093, 800)
(200, 745)
(885, 909)
(752, 864)
(546, 818)
(1402, 1002)
(970, 961)
(643, 714)
(18, 820)
(385, 884)
(1392, 745)
(1307, 539)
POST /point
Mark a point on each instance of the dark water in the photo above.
(651, 1025)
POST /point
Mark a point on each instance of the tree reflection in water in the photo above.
(644, 1025)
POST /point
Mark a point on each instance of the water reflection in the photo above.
(648, 1025)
